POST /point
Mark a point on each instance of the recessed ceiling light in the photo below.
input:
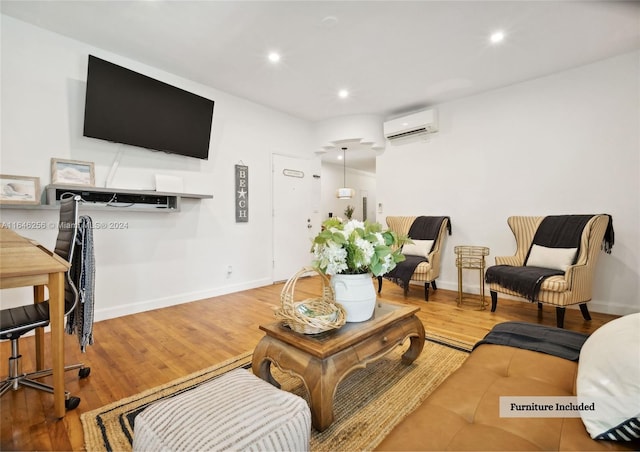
(274, 57)
(339, 157)
(343, 94)
(496, 37)
(329, 21)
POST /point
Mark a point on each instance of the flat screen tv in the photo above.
(124, 106)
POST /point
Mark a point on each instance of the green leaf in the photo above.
(373, 227)
(376, 268)
(398, 256)
(332, 223)
(382, 251)
(337, 238)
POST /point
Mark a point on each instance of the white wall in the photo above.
(159, 259)
(562, 144)
(568, 143)
(362, 182)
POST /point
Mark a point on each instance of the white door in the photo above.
(296, 218)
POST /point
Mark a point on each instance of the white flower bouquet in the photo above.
(355, 247)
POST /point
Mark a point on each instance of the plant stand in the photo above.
(471, 258)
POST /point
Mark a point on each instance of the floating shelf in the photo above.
(113, 199)
(121, 198)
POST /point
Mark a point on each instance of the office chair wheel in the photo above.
(72, 403)
(84, 372)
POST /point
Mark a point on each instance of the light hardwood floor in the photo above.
(140, 351)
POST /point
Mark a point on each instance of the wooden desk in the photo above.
(25, 263)
(323, 360)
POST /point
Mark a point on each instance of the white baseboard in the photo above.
(158, 303)
(594, 305)
(611, 308)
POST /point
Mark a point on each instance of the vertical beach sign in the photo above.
(242, 194)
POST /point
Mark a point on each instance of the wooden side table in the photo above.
(471, 258)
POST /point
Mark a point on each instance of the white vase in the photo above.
(357, 294)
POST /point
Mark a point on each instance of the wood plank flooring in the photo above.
(140, 351)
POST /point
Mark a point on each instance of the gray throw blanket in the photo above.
(560, 231)
(555, 231)
(82, 272)
(539, 338)
(525, 281)
(422, 228)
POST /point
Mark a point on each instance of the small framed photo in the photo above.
(72, 172)
(19, 189)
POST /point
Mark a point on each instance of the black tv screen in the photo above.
(124, 106)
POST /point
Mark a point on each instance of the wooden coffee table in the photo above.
(324, 359)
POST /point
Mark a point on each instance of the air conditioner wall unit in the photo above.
(418, 123)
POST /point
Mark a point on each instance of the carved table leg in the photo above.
(261, 365)
(417, 342)
(321, 384)
(317, 375)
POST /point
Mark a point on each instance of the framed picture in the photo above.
(19, 189)
(72, 172)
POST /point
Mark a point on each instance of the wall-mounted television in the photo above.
(124, 106)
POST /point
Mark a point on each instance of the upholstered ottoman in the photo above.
(237, 411)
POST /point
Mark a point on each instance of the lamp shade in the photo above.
(345, 193)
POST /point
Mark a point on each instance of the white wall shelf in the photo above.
(122, 198)
(112, 199)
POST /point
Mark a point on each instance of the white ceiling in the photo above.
(393, 56)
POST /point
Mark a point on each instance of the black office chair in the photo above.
(15, 322)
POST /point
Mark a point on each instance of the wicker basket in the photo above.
(312, 315)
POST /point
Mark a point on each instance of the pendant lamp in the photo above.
(344, 192)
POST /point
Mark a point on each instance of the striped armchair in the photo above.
(572, 287)
(425, 271)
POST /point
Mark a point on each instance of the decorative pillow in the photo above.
(417, 248)
(609, 380)
(556, 258)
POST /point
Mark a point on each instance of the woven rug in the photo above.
(368, 403)
(446, 339)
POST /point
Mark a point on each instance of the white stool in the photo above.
(236, 411)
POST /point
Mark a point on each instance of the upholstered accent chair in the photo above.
(573, 285)
(429, 270)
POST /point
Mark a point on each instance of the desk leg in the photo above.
(56, 314)
(38, 297)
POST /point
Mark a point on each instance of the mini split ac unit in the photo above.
(419, 123)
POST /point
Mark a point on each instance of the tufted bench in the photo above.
(237, 411)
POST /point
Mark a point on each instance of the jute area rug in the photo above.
(368, 404)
